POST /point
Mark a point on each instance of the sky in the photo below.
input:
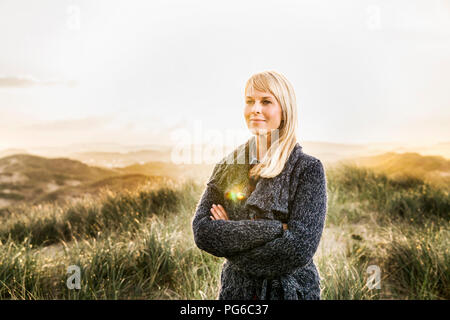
(143, 72)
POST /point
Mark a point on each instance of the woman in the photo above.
(265, 203)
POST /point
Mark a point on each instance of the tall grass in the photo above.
(46, 225)
(418, 262)
(147, 260)
(20, 273)
(397, 199)
(139, 244)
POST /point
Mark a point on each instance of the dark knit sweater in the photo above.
(262, 259)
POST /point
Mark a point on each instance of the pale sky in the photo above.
(135, 71)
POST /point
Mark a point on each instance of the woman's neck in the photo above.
(262, 145)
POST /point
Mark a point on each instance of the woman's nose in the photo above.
(257, 107)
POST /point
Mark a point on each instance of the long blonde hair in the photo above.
(278, 153)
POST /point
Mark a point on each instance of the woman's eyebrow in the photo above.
(261, 98)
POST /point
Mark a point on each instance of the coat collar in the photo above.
(270, 194)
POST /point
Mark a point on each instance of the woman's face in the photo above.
(262, 111)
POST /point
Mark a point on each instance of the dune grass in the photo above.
(138, 244)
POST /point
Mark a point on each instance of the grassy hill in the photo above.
(139, 244)
(33, 179)
(25, 178)
(409, 165)
(114, 184)
(135, 241)
(119, 159)
(12, 151)
(166, 169)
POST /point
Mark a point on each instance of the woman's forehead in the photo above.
(253, 93)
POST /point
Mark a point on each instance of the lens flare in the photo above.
(240, 195)
(235, 195)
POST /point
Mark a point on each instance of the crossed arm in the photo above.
(228, 237)
(266, 248)
(297, 245)
(219, 213)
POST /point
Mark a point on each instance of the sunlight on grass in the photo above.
(139, 244)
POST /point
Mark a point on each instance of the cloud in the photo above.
(29, 81)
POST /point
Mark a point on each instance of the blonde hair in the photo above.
(280, 149)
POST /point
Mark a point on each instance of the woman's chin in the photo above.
(259, 130)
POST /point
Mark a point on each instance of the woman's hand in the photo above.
(218, 212)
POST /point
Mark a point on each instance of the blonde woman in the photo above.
(264, 206)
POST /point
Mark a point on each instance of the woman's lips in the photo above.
(257, 120)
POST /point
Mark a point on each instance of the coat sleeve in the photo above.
(228, 237)
(298, 244)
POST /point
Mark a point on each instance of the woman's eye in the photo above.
(264, 102)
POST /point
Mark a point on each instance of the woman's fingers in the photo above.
(219, 213)
(224, 213)
(214, 214)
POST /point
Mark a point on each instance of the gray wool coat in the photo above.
(262, 259)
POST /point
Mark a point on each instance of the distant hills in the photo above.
(327, 152)
(12, 151)
(33, 179)
(174, 171)
(25, 177)
(110, 155)
(114, 183)
(336, 152)
(99, 154)
(433, 169)
(120, 159)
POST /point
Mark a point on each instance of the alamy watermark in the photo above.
(200, 146)
(73, 21)
(373, 17)
(374, 280)
(74, 280)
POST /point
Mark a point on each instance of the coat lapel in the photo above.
(269, 200)
(268, 196)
